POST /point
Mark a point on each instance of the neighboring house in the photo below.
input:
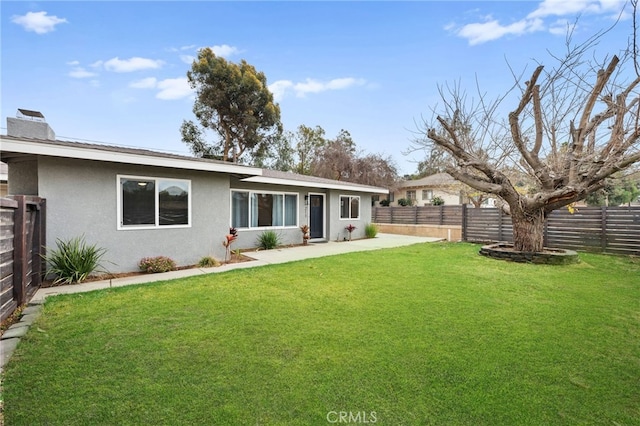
(422, 191)
(4, 176)
(138, 203)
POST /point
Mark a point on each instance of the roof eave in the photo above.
(309, 184)
(34, 147)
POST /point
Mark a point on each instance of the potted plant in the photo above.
(229, 239)
(350, 229)
(305, 234)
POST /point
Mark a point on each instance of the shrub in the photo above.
(385, 202)
(73, 260)
(437, 201)
(268, 240)
(370, 230)
(405, 202)
(208, 262)
(157, 264)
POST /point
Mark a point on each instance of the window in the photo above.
(263, 209)
(349, 207)
(153, 202)
(411, 195)
(427, 194)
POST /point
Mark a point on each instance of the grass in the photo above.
(426, 334)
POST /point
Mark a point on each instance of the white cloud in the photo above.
(492, 29)
(80, 72)
(187, 59)
(73, 63)
(225, 50)
(174, 88)
(38, 22)
(132, 64)
(145, 83)
(281, 87)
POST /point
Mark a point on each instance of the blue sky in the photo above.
(115, 72)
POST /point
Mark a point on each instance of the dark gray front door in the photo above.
(316, 216)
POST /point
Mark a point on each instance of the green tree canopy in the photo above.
(233, 101)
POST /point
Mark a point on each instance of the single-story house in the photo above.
(4, 176)
(422, 191)
(138, 203)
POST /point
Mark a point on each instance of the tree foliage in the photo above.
(571, 127)
(234, 102)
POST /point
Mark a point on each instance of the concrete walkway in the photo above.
(11, 337)
(264, 257)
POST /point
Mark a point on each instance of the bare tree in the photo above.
(572, 127)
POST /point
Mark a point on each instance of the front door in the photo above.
(316, 216)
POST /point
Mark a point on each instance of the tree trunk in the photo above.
(528, 230)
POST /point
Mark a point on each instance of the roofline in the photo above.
(51, 149)
(341, 186)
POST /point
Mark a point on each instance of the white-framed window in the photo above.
(151, 202)
(427, 194)
(349, 207)
(263, 209)
(411, 195)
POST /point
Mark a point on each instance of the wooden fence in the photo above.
(613, 230)
(426, 215)
(22, 242)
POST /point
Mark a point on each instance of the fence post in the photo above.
(464, 222)
(603, 228)
(500, 215)
(545, 232)
(20, 260)
(441, 219)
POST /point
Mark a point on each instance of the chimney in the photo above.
(29, 124)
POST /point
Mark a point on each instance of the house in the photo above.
(4, 176)
(422, 191)
(138, 203)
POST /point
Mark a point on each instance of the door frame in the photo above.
(324, 215)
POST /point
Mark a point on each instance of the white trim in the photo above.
(97, 154)
(309, 184)
(324, 216)
(258, 228)
(340, 207)
(121, 227)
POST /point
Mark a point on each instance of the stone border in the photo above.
(549, 256)
(11, 337)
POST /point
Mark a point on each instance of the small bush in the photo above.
(157, 264)
(384, 203)
(208, 262)
(405, 202)
(437, 201)
(371, 230)
(268, 240)
(73, 260)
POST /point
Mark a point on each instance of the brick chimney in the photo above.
(29, 124)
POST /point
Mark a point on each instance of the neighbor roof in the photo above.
(438, 179)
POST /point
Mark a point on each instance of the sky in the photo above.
(114, 72)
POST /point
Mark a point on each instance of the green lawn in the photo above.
(426, 334)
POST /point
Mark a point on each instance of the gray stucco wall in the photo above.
(82, 199)
(247, 238)
(23, 178)
(337, 226)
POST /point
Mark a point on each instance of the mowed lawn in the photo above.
(425, 334)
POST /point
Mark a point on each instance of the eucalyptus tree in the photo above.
(234, 101)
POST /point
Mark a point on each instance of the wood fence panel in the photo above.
(22, 242)
(7, 213)
(613, 230)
